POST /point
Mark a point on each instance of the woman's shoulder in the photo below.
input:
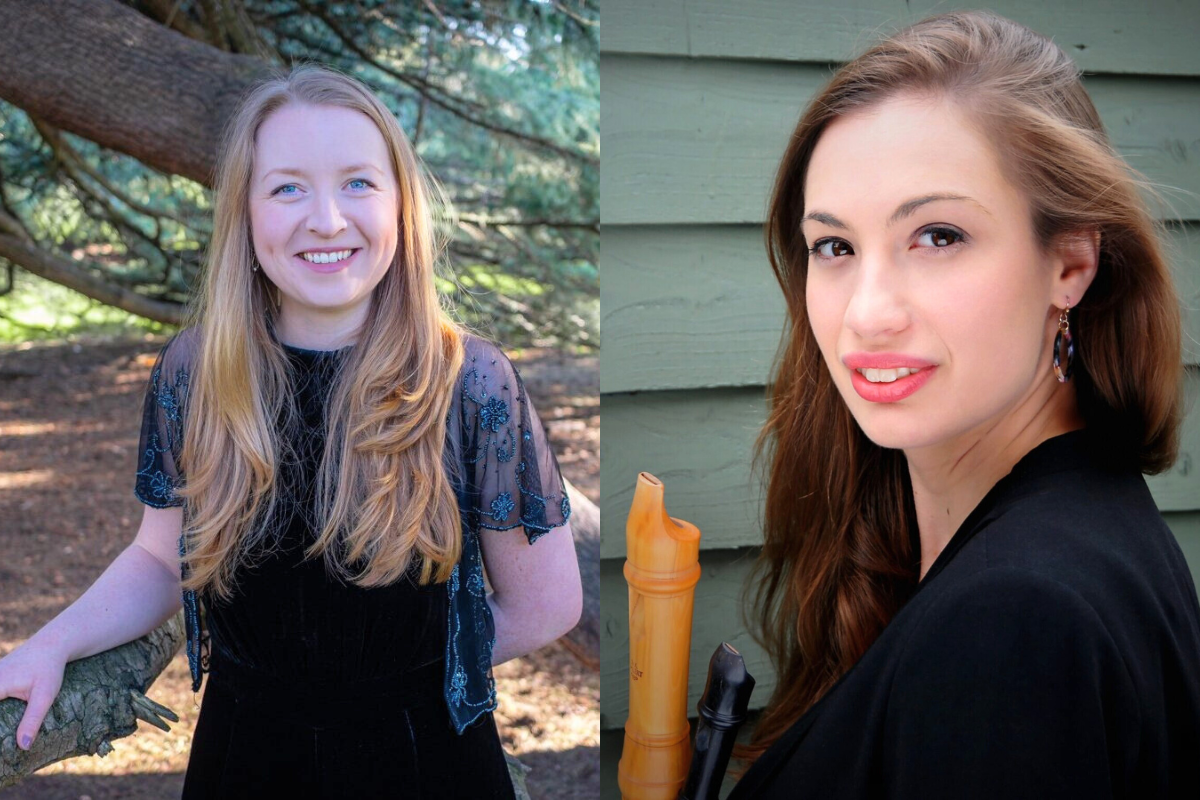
(486, 370)
(480, 352)
(993, 603)
(1085, 556)
(1094, 528)
(170, 379)
(1068, 513)
(180, 352)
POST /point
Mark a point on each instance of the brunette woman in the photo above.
(966, 587)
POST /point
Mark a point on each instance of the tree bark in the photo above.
(101, 699)
(111, 75)
(583, 641)
(103, 71)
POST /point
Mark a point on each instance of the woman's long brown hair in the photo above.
(841, 552)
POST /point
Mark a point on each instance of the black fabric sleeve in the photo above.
(159, 473)
(515, 474)
(1010, 686)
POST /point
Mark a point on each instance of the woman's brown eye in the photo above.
(939, 237)
(830, 248)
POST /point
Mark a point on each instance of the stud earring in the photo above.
(1064, 333)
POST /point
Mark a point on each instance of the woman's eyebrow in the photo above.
(301, 173)
(905, 209)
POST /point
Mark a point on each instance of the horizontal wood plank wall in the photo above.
(699, 97)
(699, 141)
(692, 307)
(1155, 37)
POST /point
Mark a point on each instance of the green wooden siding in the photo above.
(1155, 37)
(690, 307)
(698, 443)
(699, 141)
(698, 99)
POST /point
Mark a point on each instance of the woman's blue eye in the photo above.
(286, 185)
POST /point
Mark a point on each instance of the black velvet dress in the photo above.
(319, 689)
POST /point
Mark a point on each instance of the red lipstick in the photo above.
(887, 392)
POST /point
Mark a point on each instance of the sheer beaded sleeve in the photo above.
(158, 470)
(514, 476)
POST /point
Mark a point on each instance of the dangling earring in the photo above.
(255, 267)
(1064, 332)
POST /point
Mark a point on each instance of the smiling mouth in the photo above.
(889, 391)
(887, 375)
(329, 258)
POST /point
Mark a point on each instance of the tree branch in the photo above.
(583, 641)
(70, 162)
(531, 222)
(576, 18)
(61, 271)
(167, 13)
(101, 699)
(161, 97)
(72, 159)
(413, 81)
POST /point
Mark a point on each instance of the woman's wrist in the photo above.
(50, 640)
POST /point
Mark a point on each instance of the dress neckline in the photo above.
(1067, 451)
(306, 351)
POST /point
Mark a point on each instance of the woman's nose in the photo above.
(326, 217)
(878, 305)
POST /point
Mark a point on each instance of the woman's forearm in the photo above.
(133, 596)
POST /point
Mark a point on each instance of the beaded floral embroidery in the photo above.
(501, 489)
(154, 486)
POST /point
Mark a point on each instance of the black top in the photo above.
(1053, 650)
(289, 616)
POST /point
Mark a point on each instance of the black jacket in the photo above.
(1053, 650)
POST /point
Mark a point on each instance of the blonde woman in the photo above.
(328, 461)
(965, 585)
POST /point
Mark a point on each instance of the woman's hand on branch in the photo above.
(34, 673)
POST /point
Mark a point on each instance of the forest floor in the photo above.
(69, 422)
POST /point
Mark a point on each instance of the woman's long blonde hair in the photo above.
(382, 492)
(840, 555)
